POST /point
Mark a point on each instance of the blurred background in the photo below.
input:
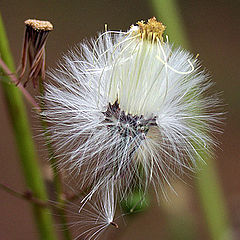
(212, 28)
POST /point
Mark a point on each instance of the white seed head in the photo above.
(130, 106)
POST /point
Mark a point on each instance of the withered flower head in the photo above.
(35, 39)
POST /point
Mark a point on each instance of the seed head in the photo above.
(130, 106)
(35, 38)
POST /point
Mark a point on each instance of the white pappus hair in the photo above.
(130, 107)
(91, 219)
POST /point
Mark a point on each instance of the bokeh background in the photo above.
(212, 28)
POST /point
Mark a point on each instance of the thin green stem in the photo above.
(168, 12)
(56, 175)
(25, 145)
(209, 189)
(212, 200)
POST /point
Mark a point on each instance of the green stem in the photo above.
(168, 12)
(209, 189)
(212, 200)
(56, 175)
(25, 144)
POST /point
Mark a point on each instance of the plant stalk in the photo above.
(56, 175)
(207, 181)
(23, 90)
(25, 145)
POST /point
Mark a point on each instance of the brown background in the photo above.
(213, 30)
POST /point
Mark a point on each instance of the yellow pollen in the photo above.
(39, 25)
(151, 30)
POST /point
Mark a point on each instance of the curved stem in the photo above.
(207, 182)
(25, 145)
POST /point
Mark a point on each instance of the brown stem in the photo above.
(27, 195)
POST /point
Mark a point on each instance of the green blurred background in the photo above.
(212, 28)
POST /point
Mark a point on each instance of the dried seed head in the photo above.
(35, 38)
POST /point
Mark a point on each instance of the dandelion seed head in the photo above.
(130, 106)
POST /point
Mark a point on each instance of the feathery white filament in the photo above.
(122, 103)
(93, 219)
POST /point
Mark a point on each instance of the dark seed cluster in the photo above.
(127, 125)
